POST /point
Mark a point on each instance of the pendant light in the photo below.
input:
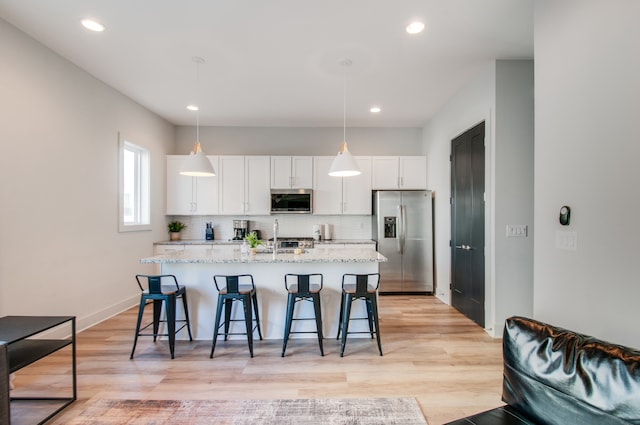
(197, 164)
(344, 165)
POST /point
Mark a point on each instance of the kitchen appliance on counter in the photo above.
(240, 229)
(403, 231)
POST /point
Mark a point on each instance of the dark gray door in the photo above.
(467, 224)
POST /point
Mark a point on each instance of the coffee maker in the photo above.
(240, 229)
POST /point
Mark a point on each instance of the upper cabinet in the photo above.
(244, 185)
(291, 172)
(191, 195)
(341, 195)
(399, 172)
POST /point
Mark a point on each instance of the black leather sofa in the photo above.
(553, 376)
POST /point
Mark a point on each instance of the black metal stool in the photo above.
(359, 287)
(303, 287)
(236, 288)
(159, 294)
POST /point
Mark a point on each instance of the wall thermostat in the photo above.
(565, 215)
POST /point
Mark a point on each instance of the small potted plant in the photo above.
(175, 227)
(253, 241)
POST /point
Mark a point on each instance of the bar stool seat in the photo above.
(303, 287)
(160, 294)
(232, 288)
(359, 287)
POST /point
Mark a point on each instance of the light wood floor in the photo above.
(431, 352)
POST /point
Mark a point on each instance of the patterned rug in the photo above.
(367, 411)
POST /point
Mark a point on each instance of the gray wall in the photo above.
(502, 96)
(299, 140)
(586, 156)
(60, 251)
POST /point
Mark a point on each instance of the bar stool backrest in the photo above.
(303, 281)
(154, 282)
(363, 282)
(232, 282)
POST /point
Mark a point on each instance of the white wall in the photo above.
(502, 96)
(586, 156)
(60, 251)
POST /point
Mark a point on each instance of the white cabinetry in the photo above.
(399, 172)
(341, 195)
(244, 185)
(291, 172)
(190, 195)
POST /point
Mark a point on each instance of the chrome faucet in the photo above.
(275, 237)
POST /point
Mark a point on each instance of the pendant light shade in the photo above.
(344, 165)
(197, 164)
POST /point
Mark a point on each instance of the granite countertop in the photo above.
(320, 255)
(232, 242)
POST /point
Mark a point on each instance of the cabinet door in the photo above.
(232, 185)
(206, 191)
(167, 248)
(280, 172)
(356, 190)
(413, 172)
(302, 172)
(327, 190)
(257, 188)
(179, 188)
(385, 172)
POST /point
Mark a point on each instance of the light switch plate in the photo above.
(566, 240)
(517, 230)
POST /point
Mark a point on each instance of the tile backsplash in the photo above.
(299, 225)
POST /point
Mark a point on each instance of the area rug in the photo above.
(358, 411)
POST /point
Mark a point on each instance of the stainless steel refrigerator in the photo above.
(403, 231)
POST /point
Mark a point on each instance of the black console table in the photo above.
(22, 349)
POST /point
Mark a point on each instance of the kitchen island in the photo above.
(195, 270)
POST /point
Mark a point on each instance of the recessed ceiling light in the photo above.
(92, 25)
(192, 107)
(375, 109)
(415, 27)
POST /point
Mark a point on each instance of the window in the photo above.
(134, 187)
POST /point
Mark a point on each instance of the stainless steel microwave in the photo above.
(291, 201)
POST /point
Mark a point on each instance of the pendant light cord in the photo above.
(344, 104)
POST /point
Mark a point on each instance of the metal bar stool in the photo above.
(303, 287)
(359, 287)
(233, 288)
(161, 294)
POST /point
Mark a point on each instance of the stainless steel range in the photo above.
(291, 243)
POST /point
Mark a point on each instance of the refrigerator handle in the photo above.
(404, 227)
(399, 225)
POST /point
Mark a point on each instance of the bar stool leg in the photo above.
(157, 311)
(186, 314)
(318, 312)
(287, 325)
(140, 313)
(216, 328)
(246, 305)
(370, 315)
(170, 302)
(341, 313)
(345, 321)
(374, 308)
(255, 309)
(228, 306)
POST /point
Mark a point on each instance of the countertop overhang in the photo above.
(316, 255)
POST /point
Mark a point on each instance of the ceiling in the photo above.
(278, 62)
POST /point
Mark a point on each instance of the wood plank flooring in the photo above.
(431, 352)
